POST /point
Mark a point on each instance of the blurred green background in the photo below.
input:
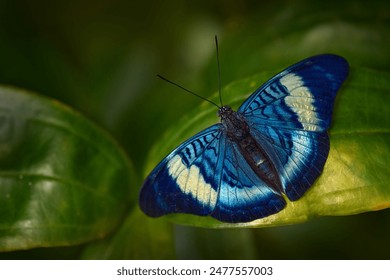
(102, 57)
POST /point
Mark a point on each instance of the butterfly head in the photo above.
(225, 111)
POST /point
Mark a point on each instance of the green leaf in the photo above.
(63, 181)
(356, 176)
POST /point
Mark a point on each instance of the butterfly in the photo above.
(274, 146)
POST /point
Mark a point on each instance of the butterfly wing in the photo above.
(207, 175)
(290, 114)
(186, 181)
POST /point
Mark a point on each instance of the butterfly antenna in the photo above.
(187, 90)
(219, 71)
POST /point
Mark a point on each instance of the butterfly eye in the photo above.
(224, 111)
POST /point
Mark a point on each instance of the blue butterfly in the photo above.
(275, 144)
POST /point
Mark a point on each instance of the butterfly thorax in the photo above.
(238, 132)
(234, 124)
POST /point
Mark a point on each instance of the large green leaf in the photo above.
(356, 177)
(63, 181)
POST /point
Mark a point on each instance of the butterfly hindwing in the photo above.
(243, 196)
(298, 155)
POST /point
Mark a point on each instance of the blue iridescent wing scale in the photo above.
(290, 115)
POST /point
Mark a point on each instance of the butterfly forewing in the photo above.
(186, 181)
(300, 97)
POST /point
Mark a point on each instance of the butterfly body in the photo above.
(274, 146)
(238, 131)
